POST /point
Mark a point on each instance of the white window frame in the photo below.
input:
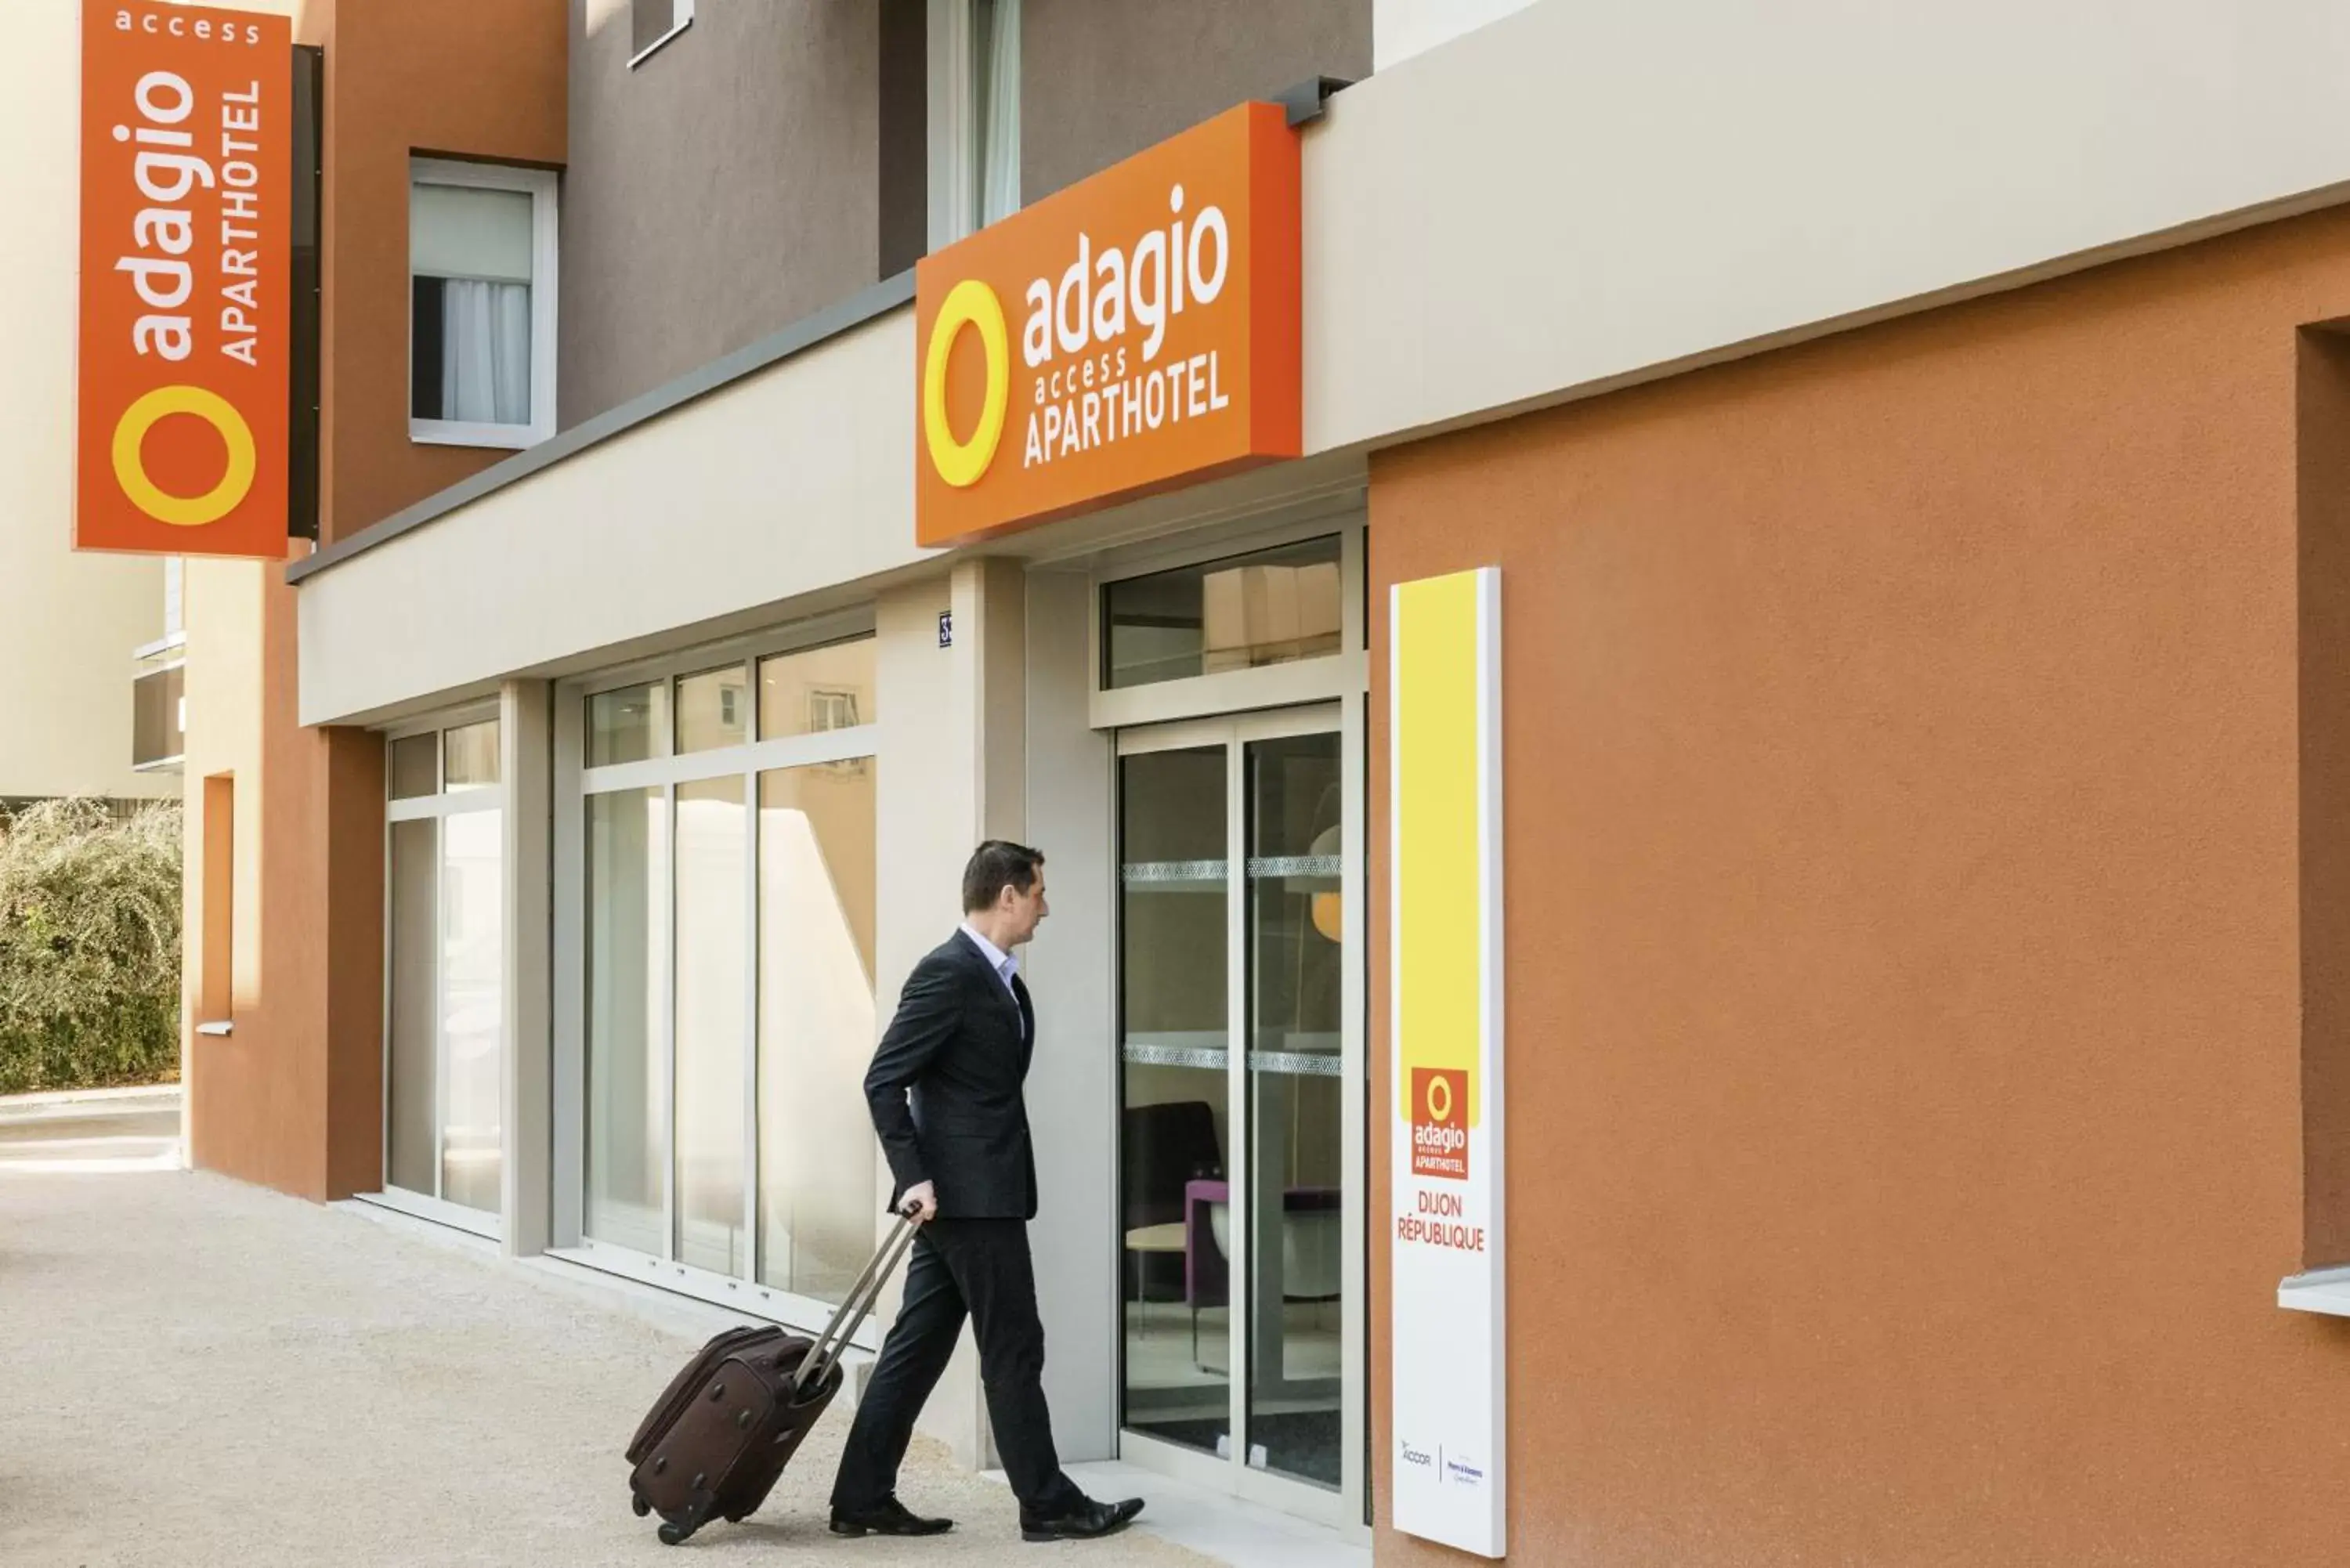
(681, 18)
(953, 117)
(575, 783)
(1339, 1507)
(442, 804)
(540, 186)
(1328, 679)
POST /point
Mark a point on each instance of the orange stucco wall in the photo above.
(479, 79)
(293, 1097)
(1904, 780)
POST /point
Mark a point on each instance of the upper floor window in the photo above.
(974, 117)
(652, 22)
(995, 102)
(481, 268)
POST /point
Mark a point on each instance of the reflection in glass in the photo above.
(1174, 1035)
(816, 690)
(416, 766)
(712, 863)
(817, 1198)
(472, 755)
(627, 881)
(1274, 607)
(412, 1138)
(1297, 1127)
(471, 1005)
(627, 725)
(714, 709)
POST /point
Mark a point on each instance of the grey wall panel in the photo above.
(1102, 79)
(720, 190)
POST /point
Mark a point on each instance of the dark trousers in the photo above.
(979, 1267)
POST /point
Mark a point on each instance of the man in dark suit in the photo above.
(944, 1089)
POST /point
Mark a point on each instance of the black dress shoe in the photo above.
(1089, 1521)
(887, 1517)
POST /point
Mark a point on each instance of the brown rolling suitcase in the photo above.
(717, 1440)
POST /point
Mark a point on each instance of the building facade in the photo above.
(92, 643)
(1915, 737)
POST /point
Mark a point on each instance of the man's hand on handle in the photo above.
(920, 1204)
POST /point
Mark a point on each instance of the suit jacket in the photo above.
(945, 1083)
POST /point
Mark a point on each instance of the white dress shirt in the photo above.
(1005, 965)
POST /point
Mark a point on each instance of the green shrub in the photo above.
(89, 946)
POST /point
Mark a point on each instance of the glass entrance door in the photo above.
(1239, 1170)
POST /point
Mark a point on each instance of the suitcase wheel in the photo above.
(672, 1534)
(637, 1504)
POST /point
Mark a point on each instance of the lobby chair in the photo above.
(1164, 1147)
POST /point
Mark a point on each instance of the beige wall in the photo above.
(1577, 194)
(928, 794)
(1402, 28)
(795, 480)
(67, 621)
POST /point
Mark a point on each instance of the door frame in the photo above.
(435, 808)
(1345, 1509)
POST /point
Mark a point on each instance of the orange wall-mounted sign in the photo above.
(1138, 329)
(187, 132)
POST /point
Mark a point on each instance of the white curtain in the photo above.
(485, 352)
(995, 26)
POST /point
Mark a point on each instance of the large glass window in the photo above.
(713, 854)
(473, 1006)
(817, 1195)
(730, 931)
(1234, 1181)
(1175, 1036)
(445, 966)
(413, 1146)
(627, 988)
(714, 709)
(1274, 607)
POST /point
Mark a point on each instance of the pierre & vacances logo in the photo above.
(1448, 1469)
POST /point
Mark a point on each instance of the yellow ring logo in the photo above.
(969, 303)
(130, 466)
(1440, 1087)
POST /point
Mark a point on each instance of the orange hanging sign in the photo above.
(1137, 330)
(187, 132)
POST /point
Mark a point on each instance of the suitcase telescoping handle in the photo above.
(824, 1354)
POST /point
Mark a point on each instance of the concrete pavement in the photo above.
(92, 1131)
(201, 1374)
